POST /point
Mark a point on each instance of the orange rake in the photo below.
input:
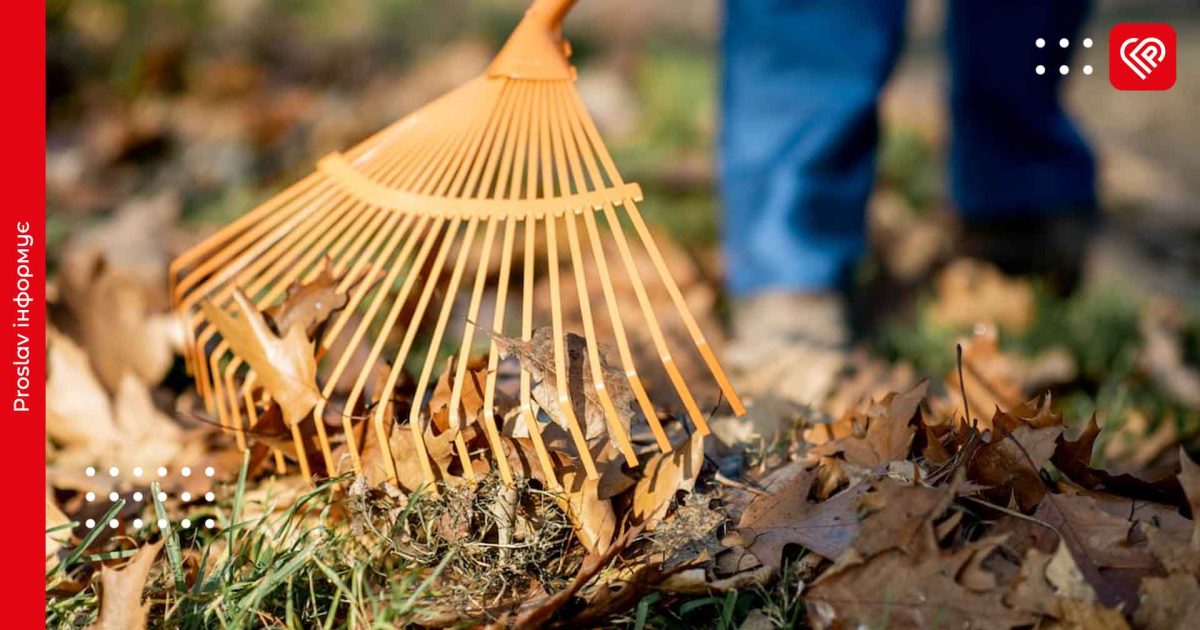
(509, 159)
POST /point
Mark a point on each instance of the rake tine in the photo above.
(435, 272)
(618, 431)
(414, 417)
(514, 146)
(689, 321)
(343, 318)
(531, 421)
(489, 387)
(660, 343)
(464, 354)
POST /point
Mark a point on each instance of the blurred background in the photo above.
(168, 118)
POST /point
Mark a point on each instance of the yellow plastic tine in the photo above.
(448, 238)
(689, 321)
(435, 342)
(464, 355)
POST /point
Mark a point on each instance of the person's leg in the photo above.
(1015, 153)
(798, 135)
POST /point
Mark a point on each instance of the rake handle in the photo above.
(536, 49)
(550, 12)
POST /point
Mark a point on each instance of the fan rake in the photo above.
(507, 167)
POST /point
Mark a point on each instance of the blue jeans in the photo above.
(800, 127)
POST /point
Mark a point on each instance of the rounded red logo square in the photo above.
(1141, 57)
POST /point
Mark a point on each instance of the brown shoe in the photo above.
(792, 345)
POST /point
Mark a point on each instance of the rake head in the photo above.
(417, 233)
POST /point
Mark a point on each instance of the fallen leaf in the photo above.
(894, 589)
(1169, 602)
(1073, 458)
(409, 474)
(594, 520)
(285, 365)
(900, 516)
(992, 378)
(119, 325)
(1010, 465)
(887, 433)
(470, 400)
(784, 516)
(537, 358)
(121, 605)
(77, 407)
(1189, 479)
(665, 475)
(535, 614)
(310, 304)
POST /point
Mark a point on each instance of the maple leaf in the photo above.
(121, 592)
(285, 365)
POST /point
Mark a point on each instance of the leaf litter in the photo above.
(905, 509)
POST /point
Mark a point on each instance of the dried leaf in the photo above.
(970, 292)
(309, 305)
(537, 358)
(77, 407)
(665, 475)
(894, 589)
(887, 436)
(537, 613)
(594, 519)
(899, 516)
(119, 326)
(1074, 458)
(1004, 465)
(285, 365)
(409, 474)
(1169, 602)
(470, 401)
(1189, 478)
(784, 516)
(121, 605)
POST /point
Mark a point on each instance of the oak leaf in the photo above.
(784, 516)
(894, 589)
(879, 436)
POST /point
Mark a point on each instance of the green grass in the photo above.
(333, 558)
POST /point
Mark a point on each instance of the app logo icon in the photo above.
(1141, 57)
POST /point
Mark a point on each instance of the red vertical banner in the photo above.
(23, 331)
